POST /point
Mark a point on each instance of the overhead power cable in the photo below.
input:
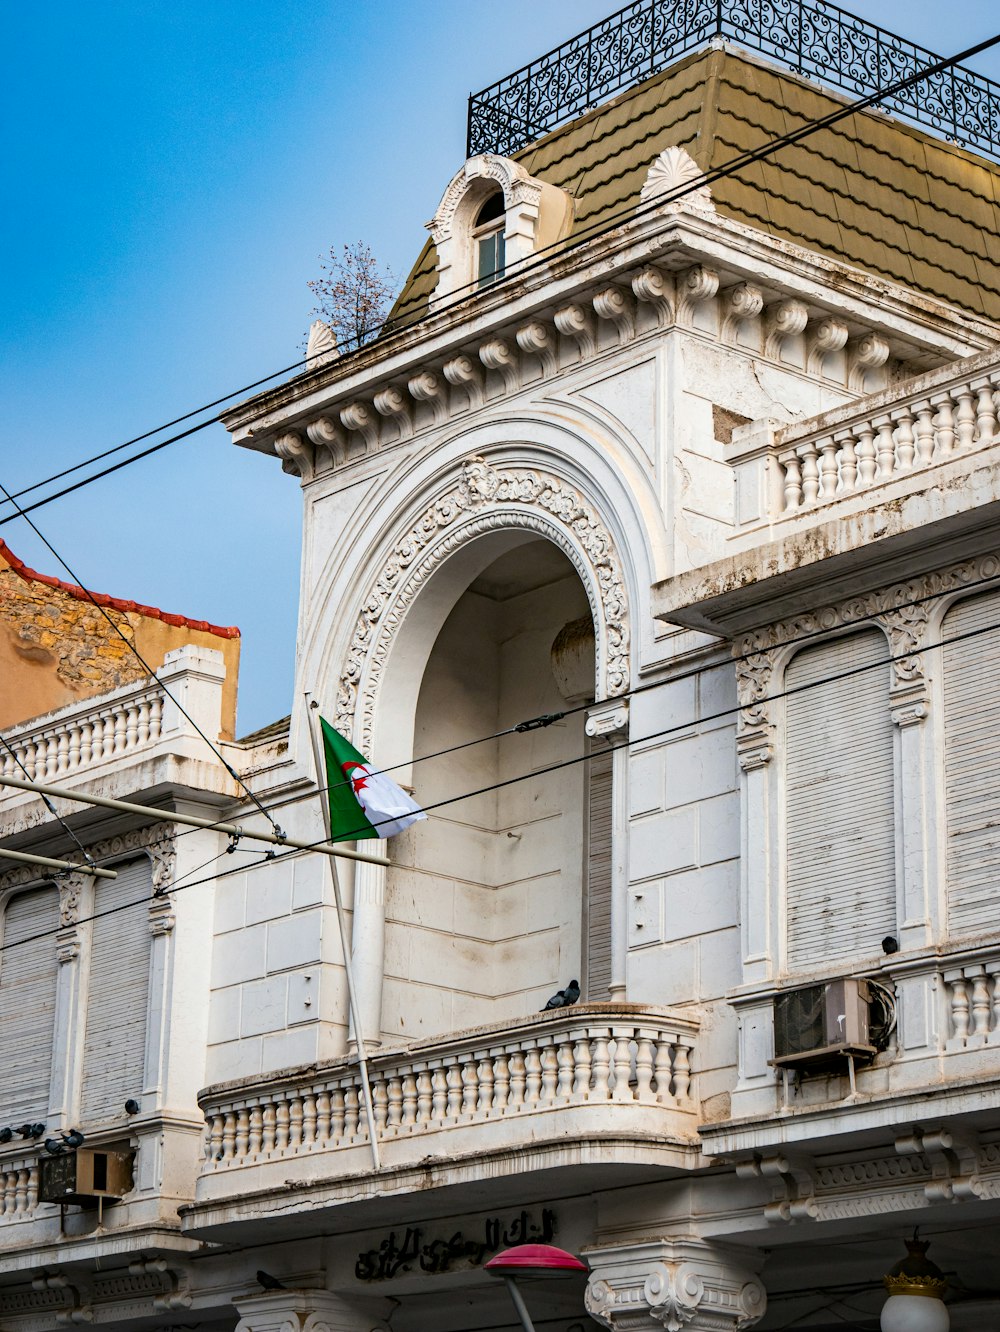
(532, 724)
(143, 662)
(541, 256)
(675, 728)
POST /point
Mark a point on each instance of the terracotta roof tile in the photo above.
(116, 603)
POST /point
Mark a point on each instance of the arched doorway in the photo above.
(488, 902)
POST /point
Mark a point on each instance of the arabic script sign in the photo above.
(442, 1253)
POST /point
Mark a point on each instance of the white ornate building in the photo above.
(696, 474)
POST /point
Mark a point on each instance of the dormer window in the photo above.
(492, 217)
(488, 234)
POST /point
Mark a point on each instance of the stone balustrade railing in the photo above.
(930, 422)
(973, 1004)
(590, 1056)
(83, 736)
(18, 1189)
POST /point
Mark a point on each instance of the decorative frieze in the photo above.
(656, 288)
(740, 303)
(694, 287)
(538, 339)
(675, 1284)
(903, 611)
(499, 355)
(618, 307)
(578, 324)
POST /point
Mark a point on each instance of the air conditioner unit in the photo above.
(822, 1023)
(88, 1175)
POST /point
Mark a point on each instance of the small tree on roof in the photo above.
(353, 294)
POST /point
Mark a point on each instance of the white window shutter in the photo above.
(118, 989)
(599, 877)
(840, 817)
(972, 764)
(28, 973)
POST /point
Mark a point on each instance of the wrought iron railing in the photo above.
(813, 38)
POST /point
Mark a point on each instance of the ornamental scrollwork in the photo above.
(487, 497)
(647, 36)
(902, 610)
(675, 1285)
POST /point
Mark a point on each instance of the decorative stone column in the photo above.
(609, 721)
(368, 947)
(909, 695)
(755, 748)
(161, 919)
(678, 1284)
(302, 1311)
(76, 899)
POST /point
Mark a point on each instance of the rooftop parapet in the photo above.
(814, 39)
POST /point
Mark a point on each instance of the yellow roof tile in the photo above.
(870, 190)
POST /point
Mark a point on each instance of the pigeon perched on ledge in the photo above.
(268, 1282)
(563, 998)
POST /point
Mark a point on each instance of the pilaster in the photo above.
(610, 722)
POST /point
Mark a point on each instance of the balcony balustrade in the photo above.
(80, 737)
(600, 1067)
(18, 1188)
(912, 432)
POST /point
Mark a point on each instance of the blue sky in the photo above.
(173, 171)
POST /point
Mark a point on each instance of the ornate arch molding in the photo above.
(486, 497)
(903, 611)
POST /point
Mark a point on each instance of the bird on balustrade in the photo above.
(563, 998)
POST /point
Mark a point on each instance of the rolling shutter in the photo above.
(972, 765)
(599, 877)
(840, 815)
(115, 1040)
(28, 975)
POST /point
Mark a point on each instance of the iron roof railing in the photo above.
(812, 37)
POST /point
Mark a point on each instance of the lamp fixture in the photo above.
(531, 1260)
(916, 1289)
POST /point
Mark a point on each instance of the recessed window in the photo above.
(488, 232)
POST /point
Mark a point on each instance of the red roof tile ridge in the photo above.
(117, 603)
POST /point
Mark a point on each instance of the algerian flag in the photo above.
(363, 801)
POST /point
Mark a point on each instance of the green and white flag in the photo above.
(363, 801)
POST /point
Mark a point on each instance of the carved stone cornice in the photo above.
(112, 848)
(676, 1284)
(298, 455)
(487, 496)
(903, 611)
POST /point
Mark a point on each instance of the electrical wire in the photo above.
(541, 256)
(142, 661)
(88, 858)
(820, 633)
(272, 856)
(718, 173)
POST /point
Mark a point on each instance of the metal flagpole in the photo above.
(345, 942)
